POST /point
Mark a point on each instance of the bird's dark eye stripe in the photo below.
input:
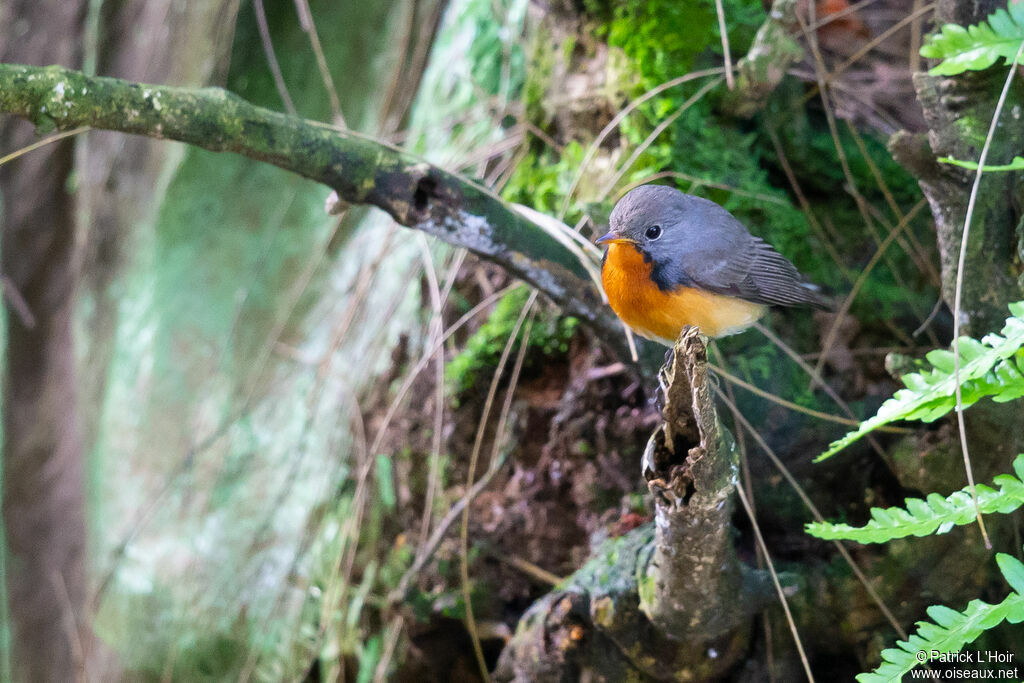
(653, 232)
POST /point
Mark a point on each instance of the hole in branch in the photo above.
(426, 189)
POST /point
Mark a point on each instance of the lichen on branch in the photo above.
(361, 170)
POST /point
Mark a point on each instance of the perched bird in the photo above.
(675, 260)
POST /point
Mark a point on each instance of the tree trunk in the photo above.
(121, 177)
(43, 484)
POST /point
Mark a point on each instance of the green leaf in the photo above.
(936, 516)
(1013, 571)
(976, 47)
(992, 367)
(952, 630)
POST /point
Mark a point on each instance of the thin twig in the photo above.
(70, 623)
(424, 554)
(396, 402)
(434, 462)
(42, 143)
(536, 573)
(309, 26)
(775, 581)
(805, 205)
(17, 303)
(817, 379)
(833, 330)
(730, 80)
(880, 38)
(354, 305)
(390, 642)
(268, 50)
(828, 417)
(616, 120)
(813, 509)
(913, 248)
(473, 458)
(386, 123)
(658, 130)
(702, 181)
(926, 325)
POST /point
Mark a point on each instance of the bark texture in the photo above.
(958, 110)
(43, 482)
(670, 602)
(691, 465)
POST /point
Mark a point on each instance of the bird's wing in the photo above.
(751, 270)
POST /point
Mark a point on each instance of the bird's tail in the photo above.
(815, 297)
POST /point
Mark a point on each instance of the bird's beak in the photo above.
(612, 238)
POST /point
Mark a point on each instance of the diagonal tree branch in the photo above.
(361, 170)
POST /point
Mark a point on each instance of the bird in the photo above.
(675, 260)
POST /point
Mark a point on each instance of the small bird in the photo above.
(675, 260)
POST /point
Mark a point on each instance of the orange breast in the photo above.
(661, 315)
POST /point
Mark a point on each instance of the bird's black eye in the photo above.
(653, 232)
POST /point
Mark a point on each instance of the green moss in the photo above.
(543, 178)
(652, 41)
(550, 336)
(810, 147)
(665, 36)
(569, 47)
(647, 589)
(612, 569)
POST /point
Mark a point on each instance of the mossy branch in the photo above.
(361, 170)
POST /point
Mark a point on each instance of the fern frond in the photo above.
(992, 367)
(952, 630)
(977, 47)
(934, 515)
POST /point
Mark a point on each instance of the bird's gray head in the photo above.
(693, 242)
(664, 223)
